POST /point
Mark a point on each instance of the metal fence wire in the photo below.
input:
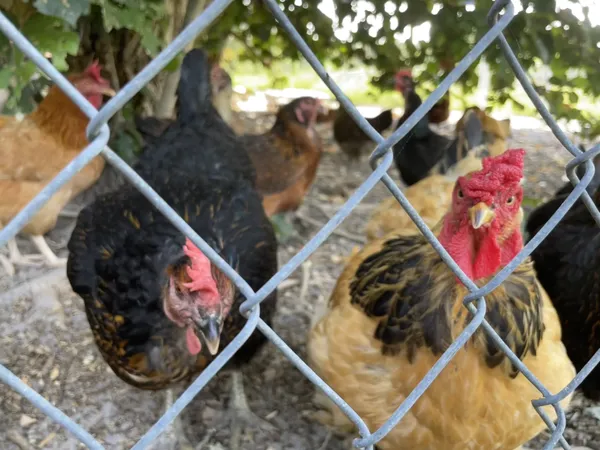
(499, 17)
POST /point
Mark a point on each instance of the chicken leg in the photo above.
(173, 438)
(15, 257)
(48, 254)
(240, 412)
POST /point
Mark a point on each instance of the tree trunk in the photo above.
(166, 104)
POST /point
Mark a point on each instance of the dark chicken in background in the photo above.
(287, 156)
(567, 263)
(351, 138)
(159, 310)
(477, 135)
(150, 128)
(422, 151)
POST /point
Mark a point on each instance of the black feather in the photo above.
(194, 91)
(567, 263)
(397, 284)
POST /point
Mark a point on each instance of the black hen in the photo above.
(158, 309)
(542, 213)
(567, 263)
(422, 151)
(351, 138)
(150, 128)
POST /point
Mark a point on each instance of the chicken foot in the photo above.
(51, 259)
(47, 255)
(15, 257)
(240, 412)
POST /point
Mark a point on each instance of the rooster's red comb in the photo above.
(93, 70)
(404, 73)
(503, 171)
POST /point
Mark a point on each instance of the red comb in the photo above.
(93, 70)
(200, 273)
(404, 73)
(498, 172)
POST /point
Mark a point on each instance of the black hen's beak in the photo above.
(210, 328)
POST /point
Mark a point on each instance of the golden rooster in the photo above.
(397, 307)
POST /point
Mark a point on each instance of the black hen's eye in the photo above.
(460, 194)
(510, 200)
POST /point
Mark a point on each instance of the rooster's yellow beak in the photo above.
(480, 215)
(109, 92)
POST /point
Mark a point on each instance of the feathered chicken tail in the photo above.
(472, 133)
(194, 92)
(470, 136)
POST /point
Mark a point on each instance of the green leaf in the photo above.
(50, 36)
(283, 229)
(573, 98)
(5, 77)
(151, 43)
(67, 10)
(174, 64)
(126, 146)
(137, 16)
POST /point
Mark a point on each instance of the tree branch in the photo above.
(251, 50)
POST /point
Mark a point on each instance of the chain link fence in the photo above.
(98, 132)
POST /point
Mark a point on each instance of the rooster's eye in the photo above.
(460, 194)
(510, 201)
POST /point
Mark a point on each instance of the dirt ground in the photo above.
(46, 341)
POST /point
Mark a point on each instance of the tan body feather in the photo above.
(35, 150)
(476, 402)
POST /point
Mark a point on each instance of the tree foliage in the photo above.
(126, 34)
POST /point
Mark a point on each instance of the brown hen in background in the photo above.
(35, 149)
(351, 138)
(287, 156)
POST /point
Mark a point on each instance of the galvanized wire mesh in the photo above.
(500, 15)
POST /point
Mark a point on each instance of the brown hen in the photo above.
(36, 149)
(287, 156)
